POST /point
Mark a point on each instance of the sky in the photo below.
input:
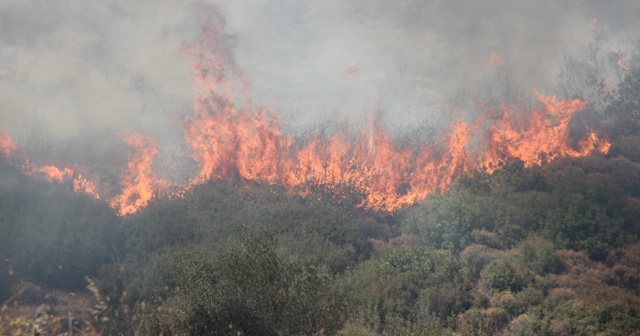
(84, 67)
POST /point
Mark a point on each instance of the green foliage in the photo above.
(538, 255)
(477, 256)
(482, 322)
(313, 229)
(448, 220)
(407, 290)
(572, 203)
(251, 289)
(625, 109)
(541, 250)
(505, 274)
(573, 317)
(52, 235)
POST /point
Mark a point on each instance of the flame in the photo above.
(51, 173)
(81, 184)
(351, 72)
(64, 175)
(139, 182)
(595, 23)
(231, 137)
(229, 141)
(7, 145)
(621, 64)
(542, 136)
(496, 60)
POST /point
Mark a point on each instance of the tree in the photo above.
(252, 290)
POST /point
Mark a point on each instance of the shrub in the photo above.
(538, 255)
(504, 274)
(250, 289)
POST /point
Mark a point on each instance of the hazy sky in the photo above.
(115, 64)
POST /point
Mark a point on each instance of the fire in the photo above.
(621, 64)
(231, 137)
(496, 60)
(139, 182)
(351, 72)
(51, 173)
(543, 136)
(244, 142)
(595, 23)
(64, 175)
(7, 145)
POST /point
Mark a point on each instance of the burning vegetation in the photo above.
(231, 137)
(524, 217)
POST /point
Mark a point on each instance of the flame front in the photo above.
(231, 137)
(139, 182)
(7, 145)
(55, 174)
(622, 65)
(542, 136)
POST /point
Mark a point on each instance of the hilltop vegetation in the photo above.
(542, 250)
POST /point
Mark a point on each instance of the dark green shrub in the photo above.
(407, 290)
(538, 255)
(52, 235)
(252, 290)
(504, 274)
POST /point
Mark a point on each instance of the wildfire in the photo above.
(595, 23)
(621, 64)
(139, 182)
(55, 174)
(544, 134)
(351, 72)
(7, 145)
(495, 60)
(51, 173)
(231, 137)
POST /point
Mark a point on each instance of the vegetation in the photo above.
(546, 250)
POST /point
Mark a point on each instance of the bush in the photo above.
(538, 255)
(250, 289)
(407, 290)
(503, 274)
(51, 235)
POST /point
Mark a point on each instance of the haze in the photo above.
(88, 67)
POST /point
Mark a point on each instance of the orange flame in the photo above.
(595, 23)
(139, 182)
(232, 139)
(351, 72)
(7, 145)
(55, 174)
(543, 136)
(81, 184)
(621, 64)
(496, 60)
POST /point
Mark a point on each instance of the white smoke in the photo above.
(114, 64)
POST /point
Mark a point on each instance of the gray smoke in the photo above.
(112, 65)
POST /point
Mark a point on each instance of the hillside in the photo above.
(547, 249)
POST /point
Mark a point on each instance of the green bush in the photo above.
(251, 289)
(52, 235)
(407, 290)
(538, 255)
(504, 274)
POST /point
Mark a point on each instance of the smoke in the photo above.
(88, 67)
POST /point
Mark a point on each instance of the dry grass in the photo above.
(34, 311)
